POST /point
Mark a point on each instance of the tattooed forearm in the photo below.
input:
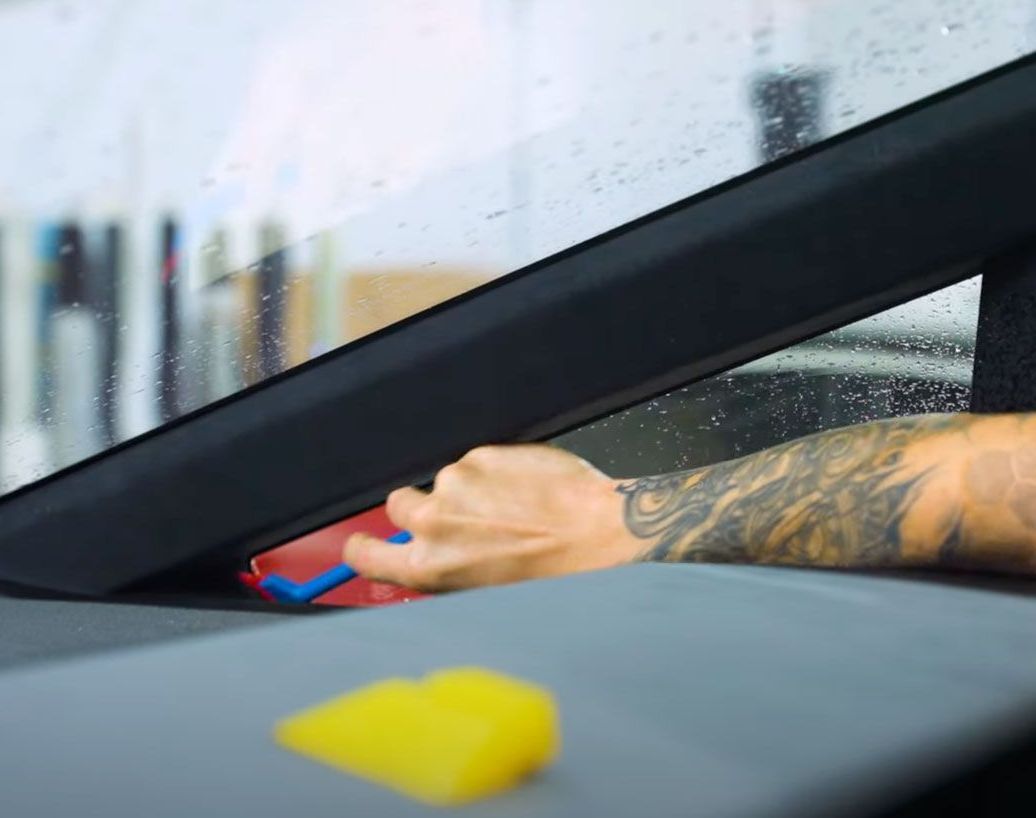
(906, 491)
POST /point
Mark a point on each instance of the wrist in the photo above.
(623, 546)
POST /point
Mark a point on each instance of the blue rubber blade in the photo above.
(284, 590)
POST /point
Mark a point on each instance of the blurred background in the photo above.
(195, 196)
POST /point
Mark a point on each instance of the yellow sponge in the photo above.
(452, 737)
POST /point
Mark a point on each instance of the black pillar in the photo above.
(1005, 344)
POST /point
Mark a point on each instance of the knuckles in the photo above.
(481, 456)
(393, 500)
(448, 477)
(424, 516)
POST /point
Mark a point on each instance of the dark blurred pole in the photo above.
(169, 352)
(71, 262)
(49, 251)
(789, 107)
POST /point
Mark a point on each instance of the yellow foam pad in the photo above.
(455, 736)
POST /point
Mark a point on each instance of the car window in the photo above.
(914, 359)
(197, 196)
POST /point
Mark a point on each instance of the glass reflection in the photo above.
(195, 196)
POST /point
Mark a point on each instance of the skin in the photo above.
(942, 491)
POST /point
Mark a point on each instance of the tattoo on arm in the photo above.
(837, 498)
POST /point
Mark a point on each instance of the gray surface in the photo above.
(33, 630)
(684, 690)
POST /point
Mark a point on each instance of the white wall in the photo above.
(566, 117)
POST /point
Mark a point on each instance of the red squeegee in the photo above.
(321, 550)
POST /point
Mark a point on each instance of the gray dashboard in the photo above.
(684, 690)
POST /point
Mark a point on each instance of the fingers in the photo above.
(376, 559)
(401, 505)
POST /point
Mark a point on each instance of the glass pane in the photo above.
(914, 359)
(195, 196)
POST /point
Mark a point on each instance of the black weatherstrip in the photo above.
(867, 220)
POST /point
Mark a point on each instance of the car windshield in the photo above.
(196, 196)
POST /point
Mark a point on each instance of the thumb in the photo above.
(376, 559)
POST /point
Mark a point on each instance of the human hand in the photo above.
(500, 514)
